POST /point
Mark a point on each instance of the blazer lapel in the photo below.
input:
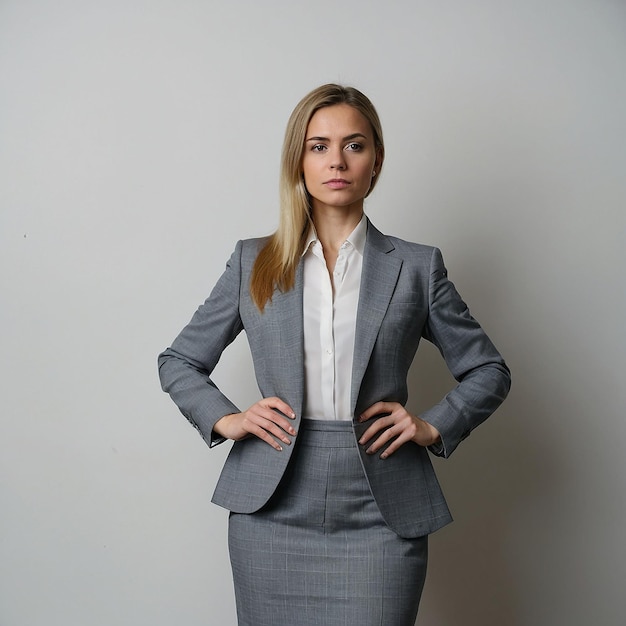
(286, 331)
(378, 282)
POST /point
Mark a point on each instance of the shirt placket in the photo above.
(326, 339)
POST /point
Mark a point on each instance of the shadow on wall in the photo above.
(473, 577)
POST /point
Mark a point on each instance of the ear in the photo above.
(380, 157)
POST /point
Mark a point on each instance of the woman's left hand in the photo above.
(399, 427)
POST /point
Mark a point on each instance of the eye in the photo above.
(354, 147)
(318, 147)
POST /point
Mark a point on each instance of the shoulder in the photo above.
(255, 243)
(410, 248)
(247, 250)
(410, 251)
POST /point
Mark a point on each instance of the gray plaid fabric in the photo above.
(320, 553)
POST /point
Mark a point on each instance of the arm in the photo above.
(481, 373)
(185, 371)
(185, 368)
(482, 376)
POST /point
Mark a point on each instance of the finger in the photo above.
(270, 422)
(376, 409)
(262, 434)
(264, 429)
(384, 438)
(397, 443)
(270, 416)
(275, 410)
(380, 424)
(279, 405)
(403, 432)
(279, 430)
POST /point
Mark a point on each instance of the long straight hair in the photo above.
(275, 266)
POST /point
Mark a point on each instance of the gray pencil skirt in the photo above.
(319, 553)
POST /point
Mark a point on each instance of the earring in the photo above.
(373, 173)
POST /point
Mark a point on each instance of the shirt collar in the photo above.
(310, 240)
(356, 238)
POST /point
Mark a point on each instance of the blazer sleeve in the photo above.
(483, 378)
(185, 368)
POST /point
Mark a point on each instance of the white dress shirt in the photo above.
(329, 325)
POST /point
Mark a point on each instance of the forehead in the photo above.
(338, 119)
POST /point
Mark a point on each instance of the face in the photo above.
(339, 158)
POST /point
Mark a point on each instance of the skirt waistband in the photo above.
(326, 433)
(333, 425)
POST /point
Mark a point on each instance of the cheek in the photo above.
(308, 169)
(306, 177)
(365, 174)
(309, 178)
(365, 166)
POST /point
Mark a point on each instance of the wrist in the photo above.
(435, 435)
(220, 427)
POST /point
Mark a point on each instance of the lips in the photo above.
(337, 183)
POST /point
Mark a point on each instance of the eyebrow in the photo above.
(348, 138)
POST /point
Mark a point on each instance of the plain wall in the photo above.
(139, 139)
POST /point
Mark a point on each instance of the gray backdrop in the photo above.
(139, 139)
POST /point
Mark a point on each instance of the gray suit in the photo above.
(405, 295)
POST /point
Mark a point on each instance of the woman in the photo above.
(329, 482)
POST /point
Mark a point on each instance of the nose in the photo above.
(337, 161)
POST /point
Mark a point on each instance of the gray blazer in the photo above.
(405, 295)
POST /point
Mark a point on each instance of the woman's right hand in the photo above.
(263, 419)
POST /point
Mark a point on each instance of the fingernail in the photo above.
(384, 455)
(280, 449)
(293, 416)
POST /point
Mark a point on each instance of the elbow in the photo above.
(499, 382)
(163, 363)
(506, 379)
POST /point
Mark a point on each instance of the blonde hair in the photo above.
(275, 266)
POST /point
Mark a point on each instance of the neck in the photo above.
(334, 227)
